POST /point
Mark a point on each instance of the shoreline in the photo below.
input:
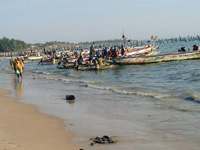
(24, 127)
(136, 122)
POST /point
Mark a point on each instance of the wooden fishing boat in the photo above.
(94, 67)
(141, 50)
(34, 58)
(158, 58)
(66, 66)
(133, 51)
(47, 61)
(74, 59)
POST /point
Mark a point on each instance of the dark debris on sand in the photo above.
(102, 140)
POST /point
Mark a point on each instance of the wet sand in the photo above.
(143, 126)
(22, 127)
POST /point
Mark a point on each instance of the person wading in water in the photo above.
(19, 68)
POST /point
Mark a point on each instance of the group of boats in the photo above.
(133, 55)
(108, 62)
(165, 57)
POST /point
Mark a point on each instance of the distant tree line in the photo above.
(7, 44)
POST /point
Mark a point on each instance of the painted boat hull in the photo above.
(93, 67)
(141, 51)
(158, 58)
(74, 59)
(66, 66)
(35, 57)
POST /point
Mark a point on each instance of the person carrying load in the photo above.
(19, 68)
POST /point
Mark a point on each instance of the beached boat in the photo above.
(49, 61)
(33, 58)
(94, 67)
(158, 58)
(74, 59)
(66, 66)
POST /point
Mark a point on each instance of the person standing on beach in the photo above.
(12, 63)
(19, 68)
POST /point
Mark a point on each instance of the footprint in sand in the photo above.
(13, 144)
(9, 144)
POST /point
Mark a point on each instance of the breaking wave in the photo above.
(96, 85)
(123, 92)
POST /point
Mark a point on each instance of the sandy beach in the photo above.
(22, 127)
(36, 115)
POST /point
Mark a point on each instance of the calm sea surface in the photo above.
(150, 106)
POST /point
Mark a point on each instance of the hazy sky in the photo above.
(87, 20)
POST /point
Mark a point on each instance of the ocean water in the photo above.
(154, 106)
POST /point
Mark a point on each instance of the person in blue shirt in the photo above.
(105, 52)
(98, 54)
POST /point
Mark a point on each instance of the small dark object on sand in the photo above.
(103, 140)
(92, 144)
(70, 97)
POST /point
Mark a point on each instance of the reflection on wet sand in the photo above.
(70, 101)
(18, 86)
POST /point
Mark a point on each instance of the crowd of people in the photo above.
(98, 56)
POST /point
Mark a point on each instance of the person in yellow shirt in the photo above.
(12, 63)
(100, 61)
(19, 68)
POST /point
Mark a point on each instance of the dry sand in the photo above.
(22, 127)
